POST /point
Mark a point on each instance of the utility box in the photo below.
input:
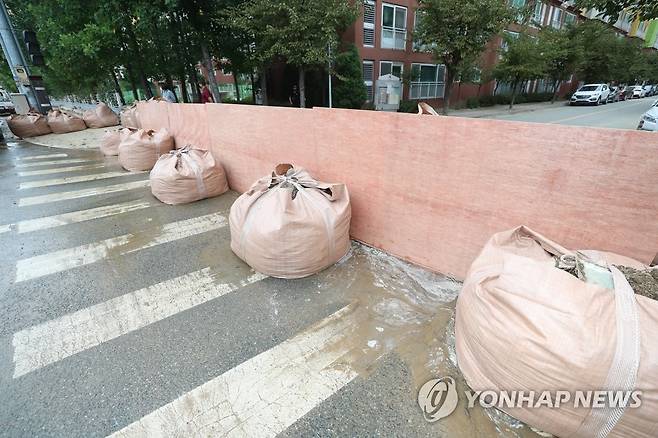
(21, 105)
(388, 92)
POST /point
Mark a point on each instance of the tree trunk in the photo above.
(302, 87)
(117, 87)
(194, 84)
(253, 88)
(237, 87)
(212, 80)
(556, 85)
(183, 86)
(133, 84)
(145, 84)
(450, 78)
(511, 103)
(263, 85)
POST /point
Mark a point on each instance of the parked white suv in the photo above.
(591, 94)
(649, 120)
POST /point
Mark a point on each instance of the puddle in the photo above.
(410, 311)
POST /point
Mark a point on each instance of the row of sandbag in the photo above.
(59, 122)
(287, 225)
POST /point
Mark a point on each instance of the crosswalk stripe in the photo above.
(72, 179)
(266, 394)
(60, 170)
(43, 223)
(83, 193)
(55, 162)
(40, 157)
(62, 260)
(54, 340)
(6, 228)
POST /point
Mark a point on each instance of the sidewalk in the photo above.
(503, 110)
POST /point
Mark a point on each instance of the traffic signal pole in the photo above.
(15, 58)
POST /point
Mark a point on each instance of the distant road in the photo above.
(621, 115)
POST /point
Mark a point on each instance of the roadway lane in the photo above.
(620, 115)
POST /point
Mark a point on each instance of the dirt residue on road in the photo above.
(644, 283)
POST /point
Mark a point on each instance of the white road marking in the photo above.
(56, 162)
(43, 223)
(69, 258)
(75, 194)
(263, 396)
(39, 157)
(6, 228)
(54, 340)
(72, 179)
(60, 170)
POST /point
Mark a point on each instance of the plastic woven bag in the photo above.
(289, 225)
(187, 175)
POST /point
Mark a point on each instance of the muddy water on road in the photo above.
(408, 311)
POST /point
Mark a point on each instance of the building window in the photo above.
(518, 5)
(394, 27)
(369, 23)
(368, 77)
(556, 20)
(390, 67)
(538, 14)
(507, 34)
(427, 81)
(569, 18)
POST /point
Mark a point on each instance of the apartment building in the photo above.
(383, 34)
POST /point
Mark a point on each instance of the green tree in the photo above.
(599, 46)
(299, 31)
(521, 61)
(349, 90)
(561, 55)
(458, 31)
(644, 9)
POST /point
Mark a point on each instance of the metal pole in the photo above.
(14, 56)
(329, 74)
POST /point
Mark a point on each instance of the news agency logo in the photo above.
(438, 398)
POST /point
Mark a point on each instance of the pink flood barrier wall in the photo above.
(432, 190)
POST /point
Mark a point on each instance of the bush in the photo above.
(538, 97)
(502, 99)
(487, 100)
(472, 102)
(408, 106)
(520, 98)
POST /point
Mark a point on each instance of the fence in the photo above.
(432, 190)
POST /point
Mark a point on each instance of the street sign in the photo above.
(22, 74)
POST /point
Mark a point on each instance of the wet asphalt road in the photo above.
(619, 115)
(91, 341)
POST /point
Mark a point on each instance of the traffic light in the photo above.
(33, 49)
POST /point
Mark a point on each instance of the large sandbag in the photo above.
(100, 117)
(129, 118)
(524, 324)
(28, 125)
(289, 225)
(111, 140)
(187, 175)
(140, 149)
(61, 122)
